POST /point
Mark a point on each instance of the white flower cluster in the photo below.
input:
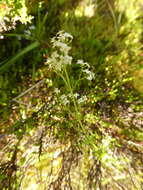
(66, 99)
(57, 91)
(82, 99)
(90, 75)
(64, 36)
(60, 57)
(85, 69)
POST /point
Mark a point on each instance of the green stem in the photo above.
(73, 98)
(67, 81)
(71, 90)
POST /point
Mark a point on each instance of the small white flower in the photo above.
(76, 95)
(64, 99)
(54, 61)
(82, 63)
(57, 91)
(90, 75)
(86, 71)
(82, 99)
(66, 59)
(107, 141)
(62, 36)
(27, 32)
(66, 35)
(63, 47)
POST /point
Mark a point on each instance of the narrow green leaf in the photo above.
(18, 55)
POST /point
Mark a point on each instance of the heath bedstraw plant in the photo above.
(60, 63)
(60, 60)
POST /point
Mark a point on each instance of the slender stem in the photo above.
(71, 90)
(74, 101)
(62, 78)
(69, 86)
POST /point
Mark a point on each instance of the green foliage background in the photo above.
(47, 144)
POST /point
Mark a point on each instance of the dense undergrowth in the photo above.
(71, 89)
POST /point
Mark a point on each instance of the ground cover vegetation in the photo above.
(71, 95)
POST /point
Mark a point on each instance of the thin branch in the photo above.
(28, 90)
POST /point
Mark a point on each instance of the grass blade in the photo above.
(7, 64)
